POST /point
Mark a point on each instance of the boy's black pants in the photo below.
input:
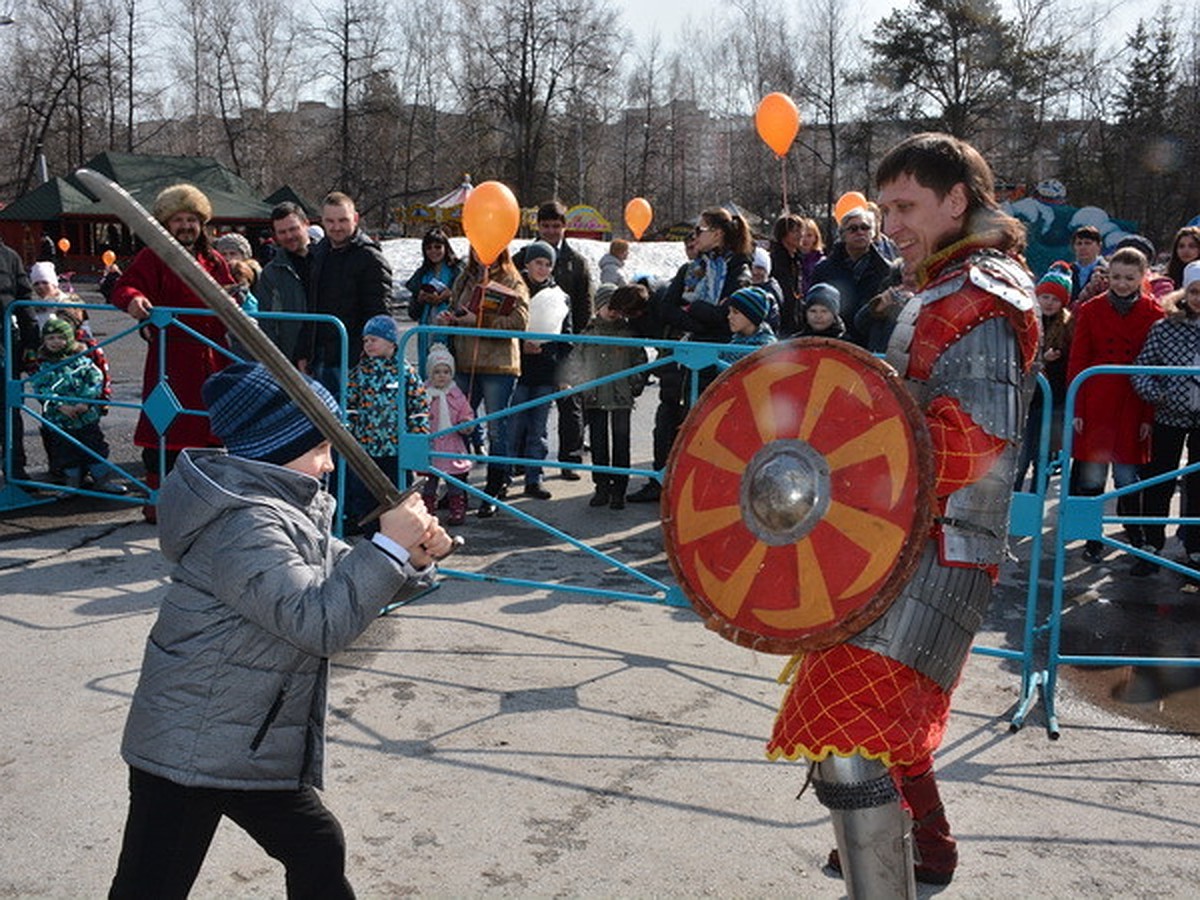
(170, 827)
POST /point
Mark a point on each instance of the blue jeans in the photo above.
(495, 392)
(1089, 482)
(528, 430)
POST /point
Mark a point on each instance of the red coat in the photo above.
(1111, 411)
(189, 361)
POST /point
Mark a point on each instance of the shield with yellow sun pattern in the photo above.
(798, 495)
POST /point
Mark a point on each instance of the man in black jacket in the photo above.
(350, 279)
(573, 274)
(14, 285)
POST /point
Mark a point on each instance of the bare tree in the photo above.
(518, 59)
(352, 37)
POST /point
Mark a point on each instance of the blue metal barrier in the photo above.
(1027, 519)
(415, 450)
(1084, 518)
(161, 406)
(1039, 654)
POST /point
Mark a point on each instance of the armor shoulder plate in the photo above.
(1003, 277)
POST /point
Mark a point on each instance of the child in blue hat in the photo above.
(375, 388)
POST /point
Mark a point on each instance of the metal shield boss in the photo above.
(798, 495)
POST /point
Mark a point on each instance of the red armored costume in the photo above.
(965, 344)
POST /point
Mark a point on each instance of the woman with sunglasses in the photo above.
(695, 302)
(429, 287)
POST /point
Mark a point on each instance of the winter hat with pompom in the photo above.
(439, 355)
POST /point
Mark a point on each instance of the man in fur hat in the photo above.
(148, 282)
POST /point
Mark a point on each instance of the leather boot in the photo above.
(494, 488)
(935, 849)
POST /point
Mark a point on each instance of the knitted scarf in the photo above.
(439, 408)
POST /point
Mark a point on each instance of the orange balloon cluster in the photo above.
(848, 201)
(778, 122)
(638, 215)
(490, 218)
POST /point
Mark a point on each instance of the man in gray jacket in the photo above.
(228, 718)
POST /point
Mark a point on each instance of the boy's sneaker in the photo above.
(1093, 552)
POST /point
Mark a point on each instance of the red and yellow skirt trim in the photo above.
(847, 700)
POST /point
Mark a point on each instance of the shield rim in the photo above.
(910, 553)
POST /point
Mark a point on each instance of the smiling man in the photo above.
(870, 712)
(184, 211)
(283, 285)
(350, 279)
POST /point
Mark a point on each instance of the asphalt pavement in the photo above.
(495, 740)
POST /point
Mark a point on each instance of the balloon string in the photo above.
(783, 178)
(478, 324)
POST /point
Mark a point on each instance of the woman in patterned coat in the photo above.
(1173, 341)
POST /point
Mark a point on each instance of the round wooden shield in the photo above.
(798, 495)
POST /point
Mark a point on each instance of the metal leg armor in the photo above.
(873, 831)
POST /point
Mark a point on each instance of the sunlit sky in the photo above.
(667, 15)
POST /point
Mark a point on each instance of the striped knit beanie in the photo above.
(254, 417)
(1056, 283)
(752, 302)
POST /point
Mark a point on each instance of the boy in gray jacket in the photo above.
(228, 718)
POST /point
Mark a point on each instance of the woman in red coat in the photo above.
(183, 210)
(1112, 423)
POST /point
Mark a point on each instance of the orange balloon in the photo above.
(777, 121)
(490, 218)
(108, 257)
(638, 215)
(848, 201)
(64, 245)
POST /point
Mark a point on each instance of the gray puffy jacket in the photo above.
(233, 682)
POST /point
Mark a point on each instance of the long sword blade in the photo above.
(172, 253)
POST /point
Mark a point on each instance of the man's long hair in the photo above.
(940, 161)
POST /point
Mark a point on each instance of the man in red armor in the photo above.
(869, 713)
